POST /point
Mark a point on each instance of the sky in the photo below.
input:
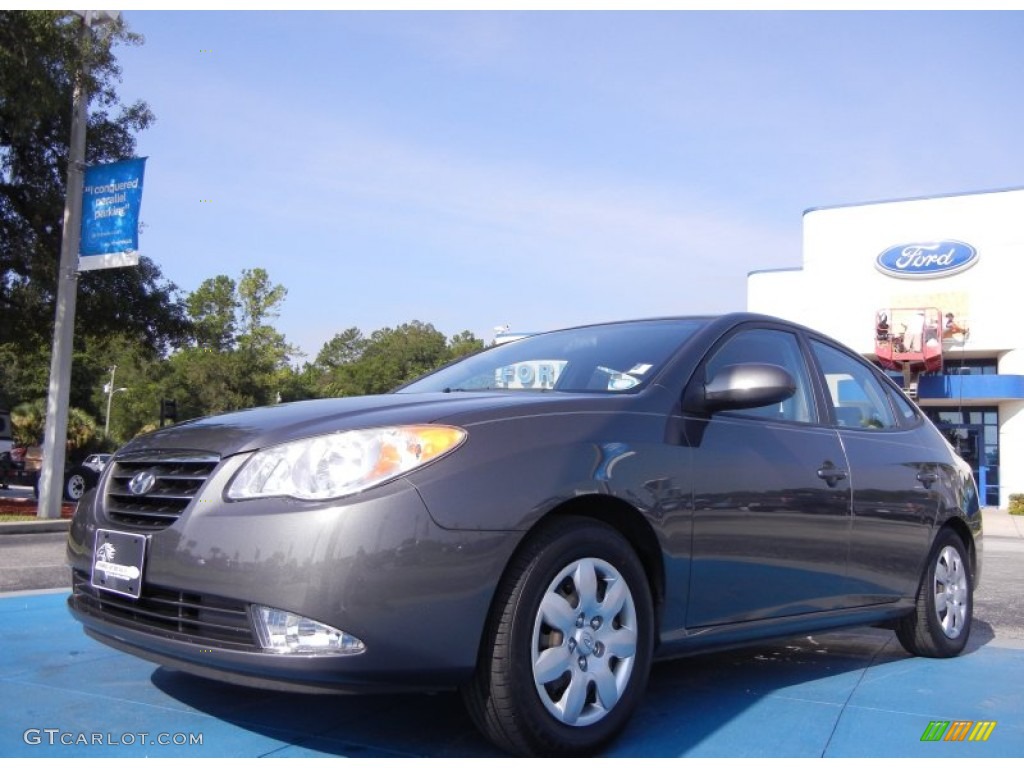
(534, 169)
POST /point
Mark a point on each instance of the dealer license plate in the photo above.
(117, 562)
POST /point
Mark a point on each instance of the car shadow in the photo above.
(363, 725)
(689, 703)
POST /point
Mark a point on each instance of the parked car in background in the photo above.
(24, 464)
(537, 523)
(97, 461)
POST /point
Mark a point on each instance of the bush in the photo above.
(1017, 503)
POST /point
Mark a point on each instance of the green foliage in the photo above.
(1017, 503)
(138, 385)
(351, 364)
(204, 381)
(212, 308)
(28, 422)
(346, 347)
(40, 54)
(215, 350)
(24, 373)
(462, 344)
(239, 359)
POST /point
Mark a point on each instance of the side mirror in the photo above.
(735, 387)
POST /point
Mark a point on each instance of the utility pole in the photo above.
(58, 396)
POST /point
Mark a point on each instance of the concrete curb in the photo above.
(36, 526)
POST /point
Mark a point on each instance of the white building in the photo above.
(954, 258)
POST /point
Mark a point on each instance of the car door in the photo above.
(772, 497)
(895, 477)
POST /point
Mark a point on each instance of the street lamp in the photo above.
(110, 397)
(58, 395)
(106, 424)
(109, 389)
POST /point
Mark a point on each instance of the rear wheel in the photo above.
(568, 645)
(941, 621)
(77, 481)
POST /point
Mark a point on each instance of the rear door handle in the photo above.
(927, 478)
(832, 474)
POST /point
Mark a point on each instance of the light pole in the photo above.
(56, 432)
(110, 397)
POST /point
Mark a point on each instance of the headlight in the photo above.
(331, 466)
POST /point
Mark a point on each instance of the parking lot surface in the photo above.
(844, 694)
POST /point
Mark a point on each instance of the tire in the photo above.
(567, 649)
(77, 481)
(941, 621)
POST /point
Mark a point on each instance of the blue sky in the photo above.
(542, 169)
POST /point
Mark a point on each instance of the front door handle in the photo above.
(832, 474)
(927, 478)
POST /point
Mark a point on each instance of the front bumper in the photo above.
(375, 566)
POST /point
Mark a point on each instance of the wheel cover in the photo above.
(76, 487)
(584, 642)
(951, 592)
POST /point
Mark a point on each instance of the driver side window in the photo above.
(763, 345)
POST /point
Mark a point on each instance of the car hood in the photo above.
(249, 430)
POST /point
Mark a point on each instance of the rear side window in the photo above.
(903, 406)
(858, 399)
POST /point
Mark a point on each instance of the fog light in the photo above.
(283, 632)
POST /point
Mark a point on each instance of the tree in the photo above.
(259, 301)
(395, 356)
(240, 360)
(40, 52)
(346, 347)
(28, 421)
(351, 364)
(333, 372)
(462, 344)
(213, 308)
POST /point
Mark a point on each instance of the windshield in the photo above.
(619, 357)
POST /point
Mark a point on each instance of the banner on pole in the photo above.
(111, 200)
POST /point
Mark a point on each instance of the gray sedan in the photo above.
(536, 524)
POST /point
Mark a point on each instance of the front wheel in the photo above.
(941, 621)
(568, 645)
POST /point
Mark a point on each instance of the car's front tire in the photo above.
(941, 621)
(568, 645)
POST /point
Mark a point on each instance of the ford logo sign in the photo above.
(924, 260)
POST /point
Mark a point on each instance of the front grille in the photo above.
(168, 613)
(176, 479)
